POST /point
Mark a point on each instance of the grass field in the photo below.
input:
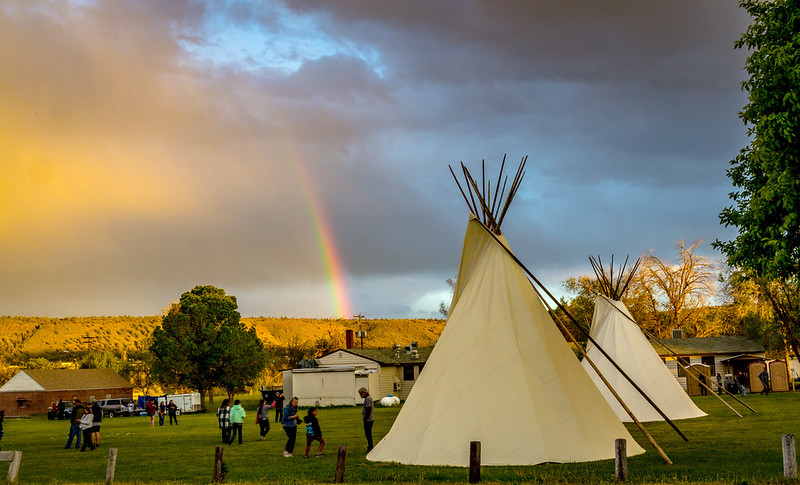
(722, 449)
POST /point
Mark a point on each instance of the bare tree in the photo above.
(681, 288)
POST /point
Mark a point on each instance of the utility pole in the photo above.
(360, 333)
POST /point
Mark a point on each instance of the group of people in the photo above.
(231, 421)
(736, 384)
(85, 424)
(151, 409)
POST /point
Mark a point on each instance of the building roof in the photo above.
(708, 346)
(65, 380)
(391, 356)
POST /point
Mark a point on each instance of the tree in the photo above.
(444, 308)
(681, 288)
(766, 173)
(199, 343)
(245, 358)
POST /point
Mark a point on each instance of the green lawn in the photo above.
(722, 449)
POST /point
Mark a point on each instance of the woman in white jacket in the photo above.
(86, 428)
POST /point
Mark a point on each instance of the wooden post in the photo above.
(789, 456)
(338, 477)
(621, 460)
(13, 469)
(218, 477)
(112, 464)
(474, 462)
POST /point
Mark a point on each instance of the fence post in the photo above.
(218, 477)
(789, 456)
(621, 460)
(338, 477)
(112, 464)
(13, 468)
(474, 461)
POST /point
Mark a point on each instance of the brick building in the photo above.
(31, 391)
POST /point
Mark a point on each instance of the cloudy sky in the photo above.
(295, 154)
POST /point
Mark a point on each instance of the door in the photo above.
(778, 376)
(754, 369)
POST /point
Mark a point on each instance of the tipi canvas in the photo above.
(502, 374)
(615, 330)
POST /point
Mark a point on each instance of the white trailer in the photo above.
(187, 403)
(327, 386)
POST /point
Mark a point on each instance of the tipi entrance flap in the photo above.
(501, 374)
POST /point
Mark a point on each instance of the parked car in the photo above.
(116, 407)
(67, 411)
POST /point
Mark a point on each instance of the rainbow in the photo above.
(326, 243)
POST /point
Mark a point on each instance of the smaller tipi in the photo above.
(615, 330)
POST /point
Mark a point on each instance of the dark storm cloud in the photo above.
(140, 169)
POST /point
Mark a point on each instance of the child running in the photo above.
(313, 431)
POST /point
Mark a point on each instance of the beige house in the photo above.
(397, 369)
(726, 356)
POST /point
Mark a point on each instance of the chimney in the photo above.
(348, 338)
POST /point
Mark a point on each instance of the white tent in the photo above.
(614, 329)
(502, 374)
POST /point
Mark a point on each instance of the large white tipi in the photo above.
(502, 374)
(616, 332)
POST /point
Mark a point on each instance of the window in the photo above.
(408, 372)
(709, 361)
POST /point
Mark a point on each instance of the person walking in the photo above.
(172, 410)
(2, 417)
(278, 402)
(313, 432)
(262, 417)
(289, 423)
(224, 419)
(368, 415)
(764, 376)
(86, 428)
(75, 424)
(97, 420)
(162, 411)
(237, 419)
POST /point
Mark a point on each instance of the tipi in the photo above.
(501, 373)
(615, 330)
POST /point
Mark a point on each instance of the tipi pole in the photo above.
(608, 384)
(588, 336)
(686, 364)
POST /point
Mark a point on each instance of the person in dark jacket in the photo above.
(162, 411)
(764, 377)
(97, 420)
(313, 431)
(75, 424)
(172, 410)
(279, 398)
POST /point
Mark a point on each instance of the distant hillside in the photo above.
(56, 338)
